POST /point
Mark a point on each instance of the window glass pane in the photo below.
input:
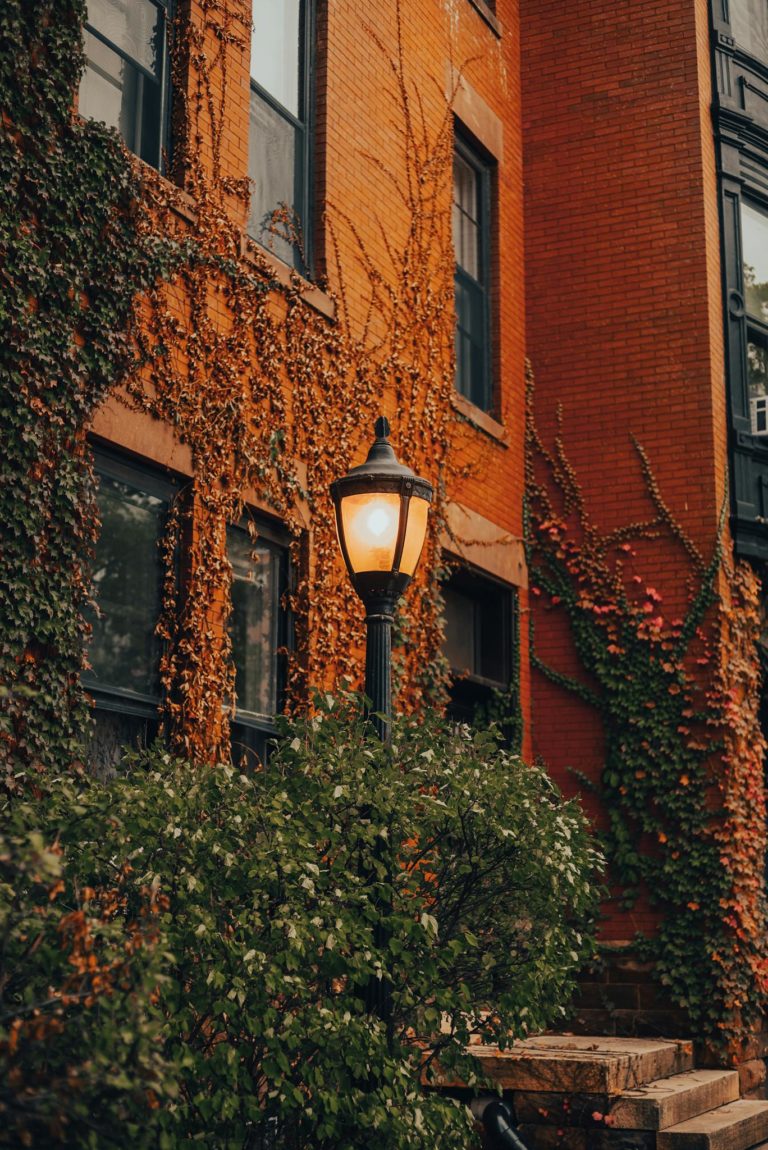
(124, 651)
(459, 645)
(119, 95)
(113, 732)
(757, 382)
(471, 375)
(466, 226)
(477, 627)
(754, 240)
(254, 622)
(101, 88)
(136, 27)
(749, 24)
(272, 159)
(275, 46)
(493, 648)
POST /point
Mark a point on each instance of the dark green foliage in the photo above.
(71, 263)
(259, 900)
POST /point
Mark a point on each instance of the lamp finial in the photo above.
(381, 427)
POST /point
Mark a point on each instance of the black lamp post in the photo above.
(381, 518)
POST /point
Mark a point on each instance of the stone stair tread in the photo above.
(736, 1126)
(670, 1101)
(582, 1063)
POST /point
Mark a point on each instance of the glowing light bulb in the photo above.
(378, 521)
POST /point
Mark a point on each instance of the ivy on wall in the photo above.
(71, 263)
(682, 783)
(118, 278)
(274, 399)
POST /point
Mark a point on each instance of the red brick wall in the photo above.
(623, 293)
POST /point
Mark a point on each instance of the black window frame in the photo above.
(469, 689)
(481, 392)
(164, 133)
(251, 731)
(303, 168)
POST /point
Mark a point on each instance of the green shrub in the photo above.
(256, 906)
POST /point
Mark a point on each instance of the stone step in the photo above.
(582, 1064)
(669, 1101)
(737, 1126)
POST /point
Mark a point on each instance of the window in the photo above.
(278, 145)
(754, 248)
(125, 79)
(471, 242)
(479, 639)
(259, 631)
(124, 651)
(749, 25)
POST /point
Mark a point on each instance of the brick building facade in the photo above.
(610, 221)
(307, 118)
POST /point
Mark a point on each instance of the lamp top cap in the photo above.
(381, 455)
(382, 470)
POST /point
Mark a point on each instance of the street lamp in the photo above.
(381, 518)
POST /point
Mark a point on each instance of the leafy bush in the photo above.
(230, 927)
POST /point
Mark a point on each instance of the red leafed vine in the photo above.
(678, 695)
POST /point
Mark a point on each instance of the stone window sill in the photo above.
(480, 419)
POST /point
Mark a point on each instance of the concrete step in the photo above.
(583, 1064)
(737, 1126)
(669, 1101)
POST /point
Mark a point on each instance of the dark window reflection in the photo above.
(255, 623)
(477, 628)
(259, 629)
(124, 652)
(479, 641)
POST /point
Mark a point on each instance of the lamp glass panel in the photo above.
(370, 522)
(414, 534)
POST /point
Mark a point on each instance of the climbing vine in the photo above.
(682, 782)
(275, 400)
(71, 262)
(122, 282)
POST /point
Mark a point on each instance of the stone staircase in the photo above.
(583, 1093)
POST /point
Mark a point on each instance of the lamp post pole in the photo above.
(380, 616)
